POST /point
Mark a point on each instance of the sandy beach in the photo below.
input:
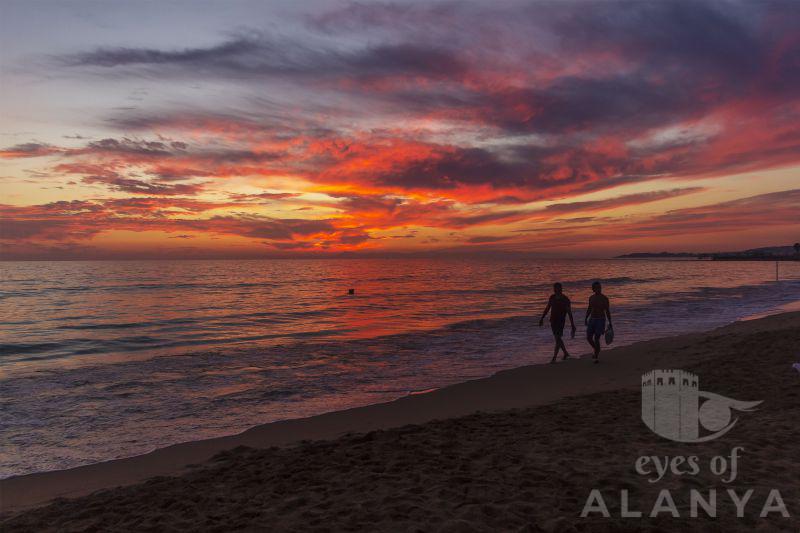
(518, 451)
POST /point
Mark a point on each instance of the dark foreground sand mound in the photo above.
(516, 470)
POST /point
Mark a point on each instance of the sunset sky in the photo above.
(258, 129)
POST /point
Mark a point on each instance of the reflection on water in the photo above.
(107, 359)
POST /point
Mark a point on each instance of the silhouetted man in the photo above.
(595, 321)
(559, 308)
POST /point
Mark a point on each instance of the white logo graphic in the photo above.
(671, 407)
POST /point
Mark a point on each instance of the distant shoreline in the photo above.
(708, 257)
(767, 253)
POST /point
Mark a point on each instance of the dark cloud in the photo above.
(226, 53)
(350, 239)
(236, 156)
(575, 220)
(20, 230)
(620, 201)
(56, 221)
(483, 239)
(668, 61)
(153, 167)
(257, 55)
(449, 168)
(138, 186)
(290, 245)
(533, 168)
(83, 219)
(154, 206)
(407, 59)
(579, 104)
(263, 196)
(131, 147)
(464, 221)
(366, 203)
(263, 227)
(502, 200)
(191, 120)
(31, 149)
(716, 36)
(164, 149)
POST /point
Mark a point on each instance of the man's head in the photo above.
(557, 288)
(596, 287)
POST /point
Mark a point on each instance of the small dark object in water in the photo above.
(351, 291)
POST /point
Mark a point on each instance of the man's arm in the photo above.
(546, 310)
(588, 312)
(608, 312)
(571, 321)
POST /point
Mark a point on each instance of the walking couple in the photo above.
(560, 308)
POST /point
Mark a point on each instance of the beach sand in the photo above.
(519, 451)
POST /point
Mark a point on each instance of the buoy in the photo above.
(351, 291)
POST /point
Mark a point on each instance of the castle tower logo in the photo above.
(671, 407)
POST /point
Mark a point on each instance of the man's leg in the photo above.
(590, 341)
(596, 346)
(558, 345)
(563, 347)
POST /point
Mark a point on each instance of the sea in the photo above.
(107, 359)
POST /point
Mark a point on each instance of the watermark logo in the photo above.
(671, 407)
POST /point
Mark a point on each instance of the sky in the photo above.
(238, 129)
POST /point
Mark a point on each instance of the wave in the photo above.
(41, 291)
(30, 347)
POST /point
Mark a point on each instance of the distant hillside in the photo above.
(765, 253)
(770, 250)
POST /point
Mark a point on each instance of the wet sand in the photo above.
(520, 450)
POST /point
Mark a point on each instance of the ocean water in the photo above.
(108, 359)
